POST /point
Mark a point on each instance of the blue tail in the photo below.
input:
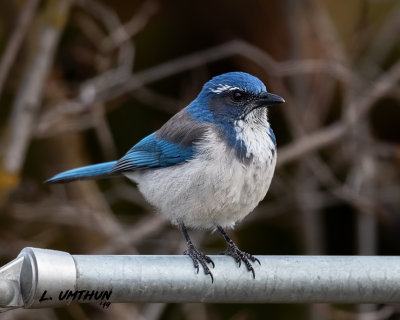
(88, 172)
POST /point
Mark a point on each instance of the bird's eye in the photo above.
(237, 95)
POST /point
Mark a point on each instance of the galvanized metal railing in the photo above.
(40, 278)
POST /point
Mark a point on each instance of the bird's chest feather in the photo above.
(214, 188)
(235, 186)
(255, 141)
(245, 180)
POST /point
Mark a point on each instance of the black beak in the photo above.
(268, 99)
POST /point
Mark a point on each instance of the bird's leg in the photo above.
(196, 255)
(237, 254)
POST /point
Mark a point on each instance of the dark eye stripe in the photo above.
(237, 95)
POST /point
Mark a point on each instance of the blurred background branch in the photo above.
(81, 81)
(15, 40)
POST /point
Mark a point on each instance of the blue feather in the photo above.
(272, 135)
(88, 172)
(153, 152)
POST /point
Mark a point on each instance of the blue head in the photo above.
(230, 97)
(235, 101)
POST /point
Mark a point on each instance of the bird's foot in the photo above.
(199, 258)
(241, 256)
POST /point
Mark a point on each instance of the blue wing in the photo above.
(153, 152)
(172, 144)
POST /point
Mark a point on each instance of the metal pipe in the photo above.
(49, 278)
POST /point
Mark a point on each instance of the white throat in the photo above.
(253, 132)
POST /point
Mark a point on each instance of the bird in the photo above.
(208, 166)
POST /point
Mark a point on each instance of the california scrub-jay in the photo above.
(208, 166)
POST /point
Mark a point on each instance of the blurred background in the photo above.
(82, 81)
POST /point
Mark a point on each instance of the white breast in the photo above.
(253, 133)
(215, 188)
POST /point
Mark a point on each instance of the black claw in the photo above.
(196, 255)
(212, 278)
(239, 255)
(210, 261)
(199, 258)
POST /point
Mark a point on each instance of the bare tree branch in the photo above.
(356, 109)
(30, 91)
(132, 27)
(15, 40)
